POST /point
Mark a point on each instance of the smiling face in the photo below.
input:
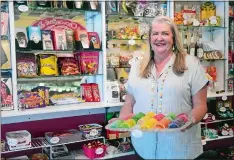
(161, 40)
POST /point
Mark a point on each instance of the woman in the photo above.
(167, 80)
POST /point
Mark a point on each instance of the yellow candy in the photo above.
(142, 120)
(150, 114)
(149, 123)
(132, 122)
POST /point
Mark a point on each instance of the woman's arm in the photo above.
(126, 109)
(199, 107)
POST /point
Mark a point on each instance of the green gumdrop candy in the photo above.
(171, 115)
(135, 119)
(124, 125)
(140, 115)
(117, 124)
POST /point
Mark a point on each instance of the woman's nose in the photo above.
(159, 37)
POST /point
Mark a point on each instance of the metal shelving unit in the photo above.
(42, 143)
(217, 121)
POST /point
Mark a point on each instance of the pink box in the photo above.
(4, 23)
(59, 39)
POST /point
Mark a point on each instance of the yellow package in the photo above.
(48, 65)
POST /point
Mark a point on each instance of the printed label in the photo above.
(93, 132)
(23, 8)
(54, 140)
(99, 151)
(12, 142)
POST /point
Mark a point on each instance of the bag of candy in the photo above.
(48, 65)
(89, 62)
(26, 65)
(68, 66)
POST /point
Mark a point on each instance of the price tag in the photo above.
(99, 150)
(54, 140)
(12, 142)
(137, 133)
(93, 132)
(224, 98)
(23, 8)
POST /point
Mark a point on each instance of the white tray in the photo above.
(137, 127)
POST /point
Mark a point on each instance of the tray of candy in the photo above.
(151, 122)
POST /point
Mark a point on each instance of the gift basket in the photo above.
(151, 122)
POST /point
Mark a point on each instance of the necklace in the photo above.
(158, 108)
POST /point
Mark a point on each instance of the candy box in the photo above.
(47, 40)
(48, 65)
(86, 92)
(82, 40)
(94, 39)
(18, 139)
(34, 36)
(59, 39)
(70, 39)
(95, 92)
(94, 150)
(4, 23)
(90, 130)
(26, 65)
(63, 136)
(6, 93)
(30, 100)
(58, 152)
(21, 39)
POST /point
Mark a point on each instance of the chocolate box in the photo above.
(21, 38)
(63, 136)
(18, 139)
(59, 39)
(47, 40)
(34, 36)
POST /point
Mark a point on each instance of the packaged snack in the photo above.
(21, 37)
(86, 92)
(4, 23)
(70, 39)
(43, 92)
(6, 93)
(18, 139)
(59, 39)
(26, 65)
(34, 33)
(30, 100)
(82, 36)
(90, 130)
(68, 66)
(94, 150)
(48, 65)
(95, 92)
(94, 39)
(47, 40)
(124, 59)
(89, 62)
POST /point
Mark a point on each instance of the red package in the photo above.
(89, 62)
(69, 66)
(94, 38)
(82, 36)
(87, 92)
(95, 91)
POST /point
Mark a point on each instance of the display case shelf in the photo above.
(55, 78)
(208, 27)
(212, 59)
(42, 143)
(219, 137)
(217, 121)
(55, 52)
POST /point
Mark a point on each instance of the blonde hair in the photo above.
(148, 59)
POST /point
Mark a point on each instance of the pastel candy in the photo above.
(117, 124)
(177, 123)
(183, 116)
(140, 115)
(150, 114)
(172, 116)
(125, 125)
(165, 121)
(142, 120)
(159, 116)
(128, 117)
(132, 122)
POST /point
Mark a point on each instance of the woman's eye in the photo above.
(155, 34)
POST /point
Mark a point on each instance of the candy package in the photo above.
(95, 92)
(47, 40)
(94, 38)
(6, 93)
(30, 100)
(70, 39)
(48, 65)
(89, 62)
(86, 92)
(68, 66)
(43, 92)
(59, 39)
(82, 36)
(26, 65)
